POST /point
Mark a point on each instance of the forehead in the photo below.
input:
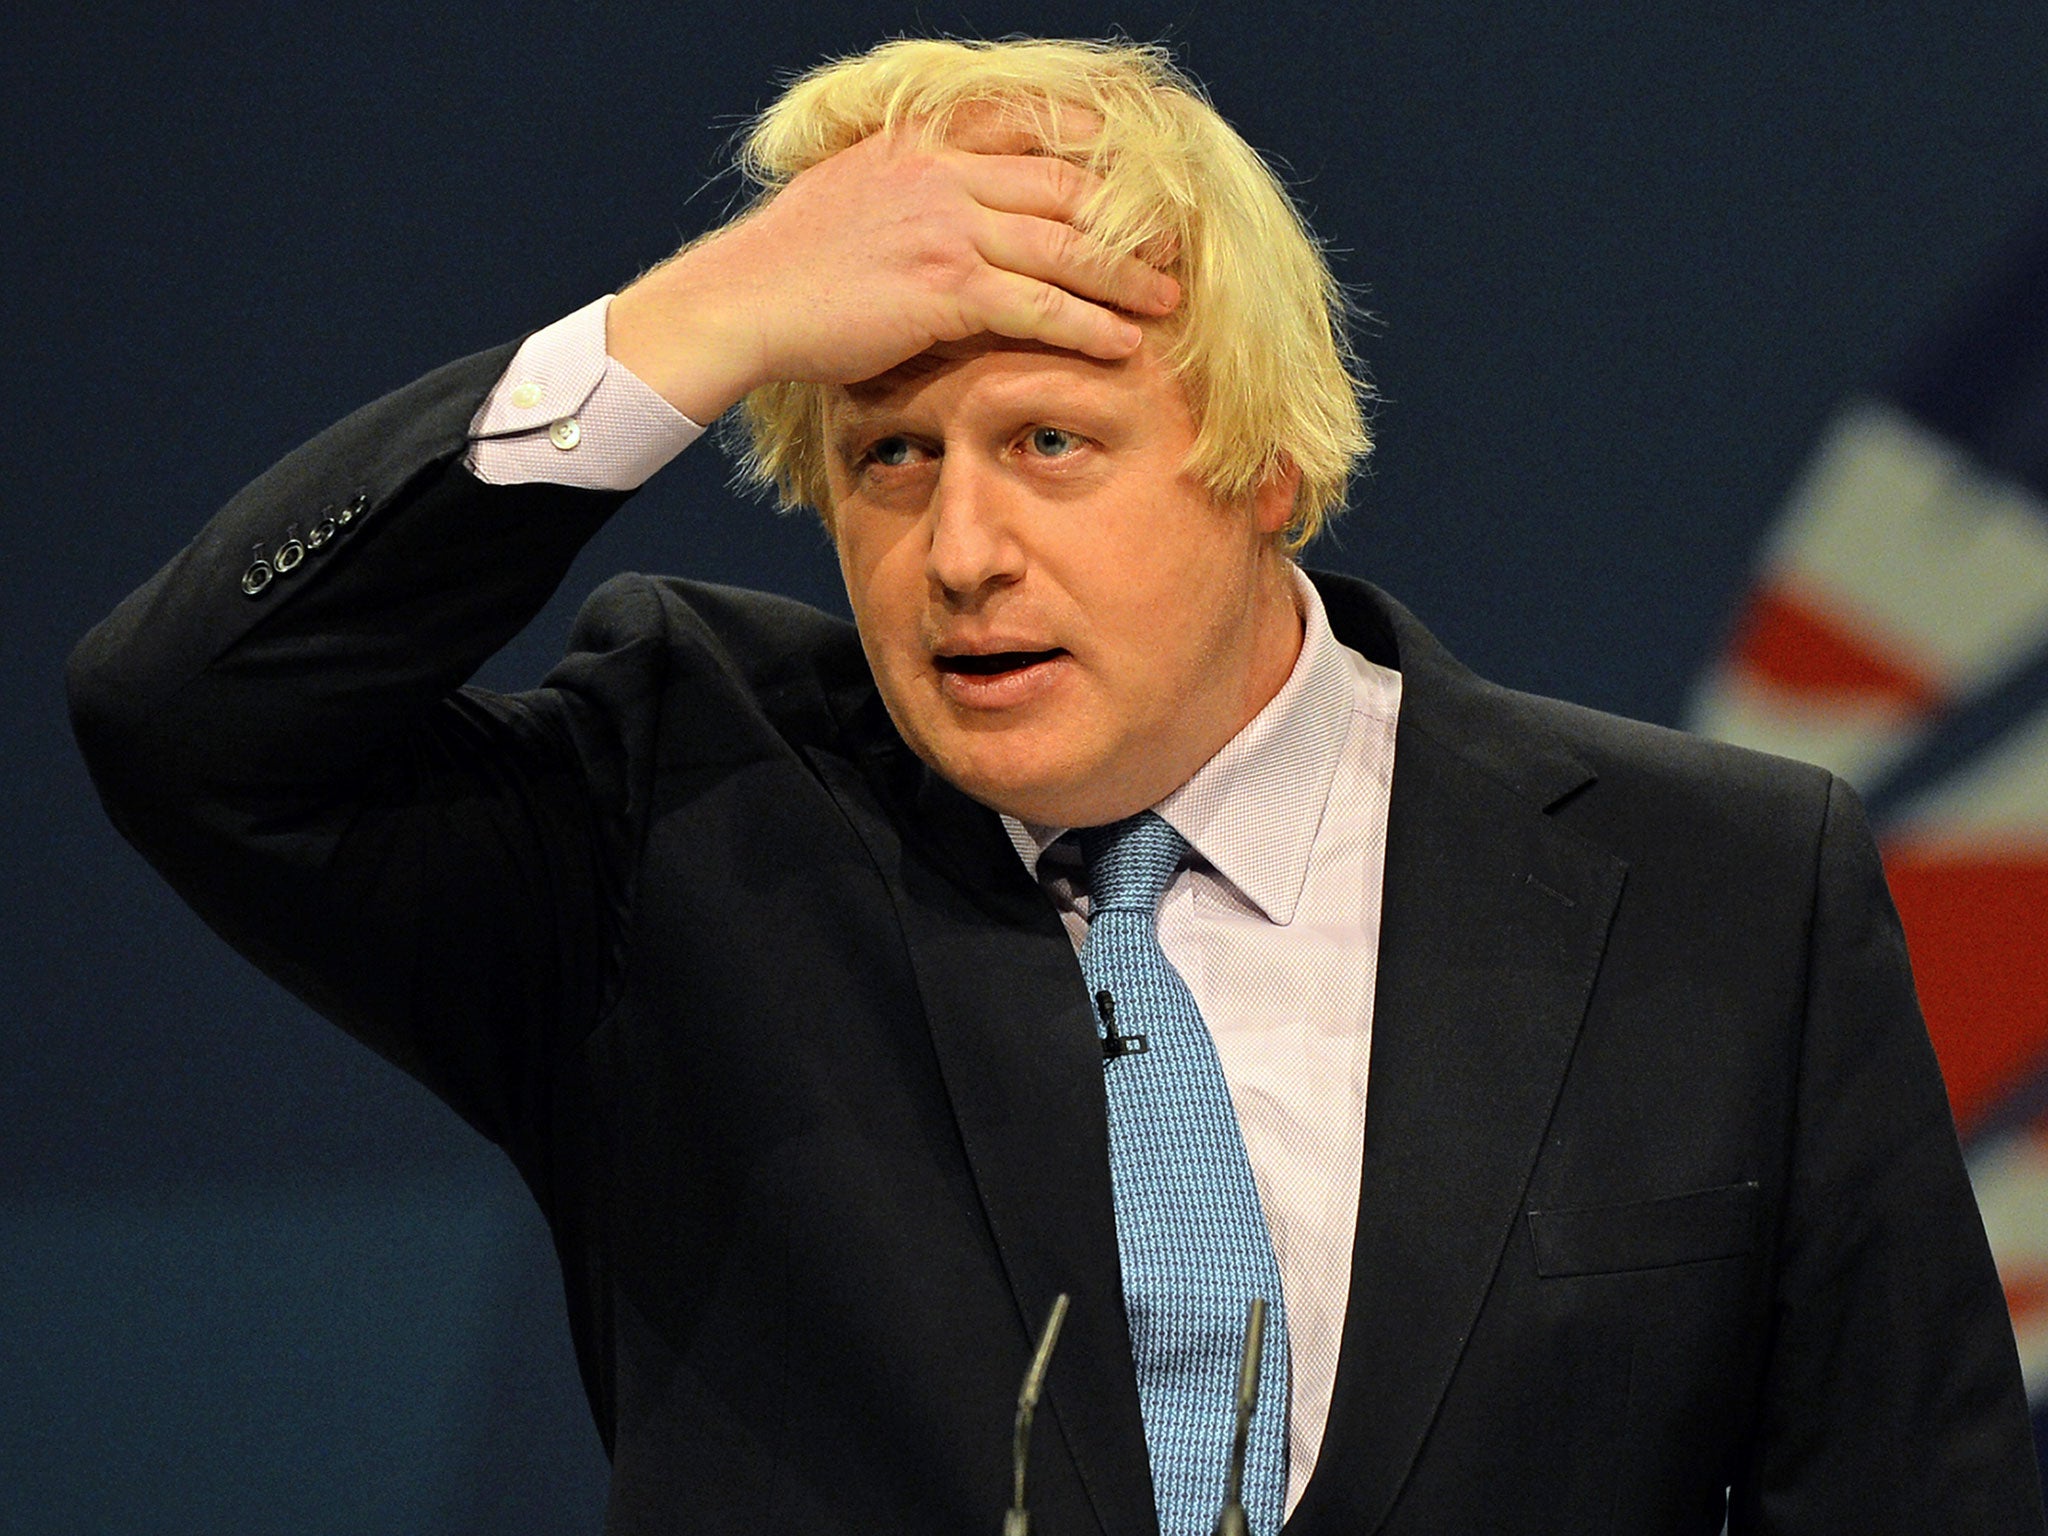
(994, 371)
(983, 356)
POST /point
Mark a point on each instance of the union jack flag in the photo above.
(1897, 633)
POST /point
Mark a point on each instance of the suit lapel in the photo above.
(1494, 922)
(1016, 1047)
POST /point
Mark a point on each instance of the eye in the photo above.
(892, 451)
(1053, 442)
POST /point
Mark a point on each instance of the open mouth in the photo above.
(994, 663)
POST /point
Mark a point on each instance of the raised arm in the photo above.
(279, 718)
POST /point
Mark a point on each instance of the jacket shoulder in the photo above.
(1598, 771)
(1651, 792)
(1635, 755)
(801, 666)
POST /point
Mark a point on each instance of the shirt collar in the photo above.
(1252, 811)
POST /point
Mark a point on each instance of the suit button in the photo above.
(256, 578)
(321, 534)
(351, 510)
(289, 553)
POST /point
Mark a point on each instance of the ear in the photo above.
(1273, 501)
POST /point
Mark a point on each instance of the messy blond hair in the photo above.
(1258, 341)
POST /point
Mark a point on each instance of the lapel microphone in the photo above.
(1114, 1044)
(1017, 1518)
(1230, 1520)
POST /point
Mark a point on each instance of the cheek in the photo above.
(1174, 597)
(885, 588)
(879, 572)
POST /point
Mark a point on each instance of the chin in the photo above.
(1026, 798)
(1048, 799)
(1005, 782)
(1026, 769)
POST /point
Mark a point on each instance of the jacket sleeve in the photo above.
(1892, 1399)
(277, 720)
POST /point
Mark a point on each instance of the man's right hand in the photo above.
(873, 255)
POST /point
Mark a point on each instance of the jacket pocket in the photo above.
(1646, 1234)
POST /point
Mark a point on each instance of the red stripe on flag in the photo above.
(1795, 645)
(2026, 1294)
(1978, 931)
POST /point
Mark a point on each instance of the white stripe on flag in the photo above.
(1900, 533)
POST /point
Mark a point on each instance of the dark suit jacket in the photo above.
(1660, 1194)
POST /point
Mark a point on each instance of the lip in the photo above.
(1006, 689)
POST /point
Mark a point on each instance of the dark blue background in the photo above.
(1622, 263)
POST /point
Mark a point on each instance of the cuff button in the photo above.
(256, 578)
(289, 553)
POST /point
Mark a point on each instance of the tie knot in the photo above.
(1131, 862)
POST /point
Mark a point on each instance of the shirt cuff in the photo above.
(568, 412)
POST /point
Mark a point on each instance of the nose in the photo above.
(973, 546)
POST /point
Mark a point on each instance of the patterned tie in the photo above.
(1189, 1227)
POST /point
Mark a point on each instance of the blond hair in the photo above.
(1258, 341)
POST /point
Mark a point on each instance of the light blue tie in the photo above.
(1189, 1227)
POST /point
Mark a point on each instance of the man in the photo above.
(1555, 1079)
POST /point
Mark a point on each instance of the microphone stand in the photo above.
(1231, 1519)
(1017, 1519)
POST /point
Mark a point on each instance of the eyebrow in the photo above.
(851, 417)
(917, 366)
(843, 436)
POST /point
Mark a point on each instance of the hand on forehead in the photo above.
(875, 253)
(1040, 131)
(1058, 130)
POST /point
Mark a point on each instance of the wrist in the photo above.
(687, 339)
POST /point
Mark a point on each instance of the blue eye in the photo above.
(892, 451)
(1052, 443)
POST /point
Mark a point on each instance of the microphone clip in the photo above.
(1113, 1043)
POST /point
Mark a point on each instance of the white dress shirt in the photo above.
(1274, 922)
(1274, 925)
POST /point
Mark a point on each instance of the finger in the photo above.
(1025, 309)
(1058, 253)
(1009, 128)
(1035, 184)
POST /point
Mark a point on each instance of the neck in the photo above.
(1277, 627)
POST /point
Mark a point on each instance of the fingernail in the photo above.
(1133, 337)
